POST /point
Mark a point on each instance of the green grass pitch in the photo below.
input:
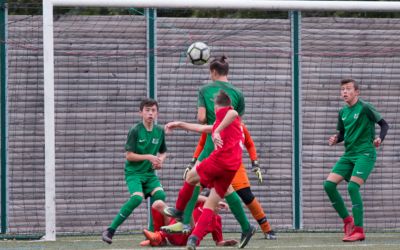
(323, 241)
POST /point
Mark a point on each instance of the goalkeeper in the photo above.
(241, 183)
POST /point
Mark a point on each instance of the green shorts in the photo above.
(143, 183)
(360, 165)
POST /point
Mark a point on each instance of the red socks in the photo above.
(203, 223)
(184, 196)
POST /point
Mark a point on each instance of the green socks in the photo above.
(235, 204)
(356, 201)
(338, 204)
(336, 199)
(187, 214)
(126, 210)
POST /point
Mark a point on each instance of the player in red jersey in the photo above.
(216, 171)
(241, 183)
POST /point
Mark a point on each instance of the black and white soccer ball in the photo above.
(198, 53)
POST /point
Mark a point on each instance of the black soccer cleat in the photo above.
(108, 235)
(174, 213)
(246, 236)
(191, 243)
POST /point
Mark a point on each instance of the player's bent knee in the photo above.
(192, 177)
(159, 195)
(329, 186)
(353, 188)
(246, 195)
(158, 205)
(134, 201)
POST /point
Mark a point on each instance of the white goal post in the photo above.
(48, 56)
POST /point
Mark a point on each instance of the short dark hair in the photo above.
(349, 80)
(220, 65)
(148, 102)
(222, 99)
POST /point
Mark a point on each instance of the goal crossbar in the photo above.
(238, 4)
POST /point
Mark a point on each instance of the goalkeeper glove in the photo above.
(189, 166)
(255, 167)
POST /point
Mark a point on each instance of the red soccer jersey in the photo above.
(230, 154)
(248, 143)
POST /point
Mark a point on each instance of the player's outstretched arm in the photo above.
(187, 126)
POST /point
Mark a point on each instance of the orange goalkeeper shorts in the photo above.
(241, 180)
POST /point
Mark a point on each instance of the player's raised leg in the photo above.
(134, 201)
(185, 194)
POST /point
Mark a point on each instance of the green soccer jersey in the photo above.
(206, 98)
(208, 92)
(358, 124)
(141, 141)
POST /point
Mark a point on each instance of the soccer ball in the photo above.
(198, 53)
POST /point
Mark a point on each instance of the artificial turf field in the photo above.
(325, 241)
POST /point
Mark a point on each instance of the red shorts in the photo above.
(213, 175)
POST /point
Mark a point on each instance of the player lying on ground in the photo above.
(216, 171)
(159, 238)
(356, 126)
(241, 183)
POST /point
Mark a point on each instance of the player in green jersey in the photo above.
(356, 127)
(219, 69)
(145, 152)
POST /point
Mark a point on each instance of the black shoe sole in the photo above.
(107, 241)
(247, 239)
